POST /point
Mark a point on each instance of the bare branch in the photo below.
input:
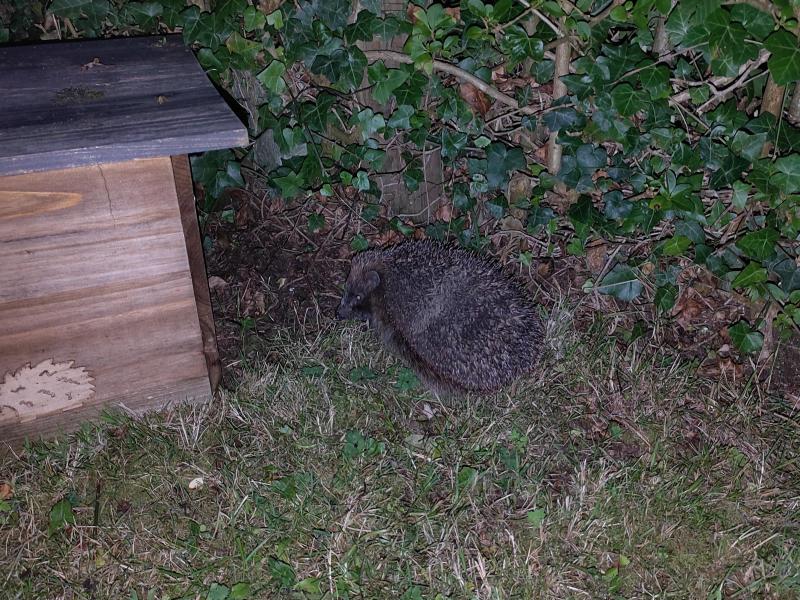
(723, 94)
(458, 72)
(724, 86)
(563, 53)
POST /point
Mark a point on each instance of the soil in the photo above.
(267, 273)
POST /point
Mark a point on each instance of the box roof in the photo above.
(68, 104)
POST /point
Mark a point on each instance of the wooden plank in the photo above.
(142, 97)
(183, 186)
(102, 284)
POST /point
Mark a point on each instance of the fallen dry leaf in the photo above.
(453, 11)
(596, 256)
(444, 212)
(688, 307)
(476, 99)
(6, 491)
(412, 11)
(253, 303)
(720, 367)
(217, 284)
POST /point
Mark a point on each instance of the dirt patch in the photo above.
(786, 375)
(267, 273)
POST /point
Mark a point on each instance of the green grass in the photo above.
(608, 474)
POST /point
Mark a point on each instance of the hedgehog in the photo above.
(460, 323)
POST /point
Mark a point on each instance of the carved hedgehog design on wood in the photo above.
(454, 316)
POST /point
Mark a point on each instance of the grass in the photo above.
(326, 474)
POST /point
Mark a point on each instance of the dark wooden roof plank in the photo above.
(146, 97)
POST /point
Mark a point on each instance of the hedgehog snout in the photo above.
(342, 311)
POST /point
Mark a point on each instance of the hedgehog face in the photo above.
(356, 302)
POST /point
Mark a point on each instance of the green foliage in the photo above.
(641, 133)
(621, 282)
(218, 592)
(745, 338)
(62, 515)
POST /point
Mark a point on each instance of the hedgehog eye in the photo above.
(359, 297)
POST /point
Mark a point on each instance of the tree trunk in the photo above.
(794, 106)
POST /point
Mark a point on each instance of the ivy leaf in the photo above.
(333, 13)
(145, 14)
(253, 18)
(784, 64)
(728, 44)
(240, 591)
(385, 81)
(680, 22)
(281, 572)
(692, 230)
(676, 245)
(591, 157)
(368, 122)
(626, 100)
(518, 45)
(290, 184)
(216, 171)
(665, 297)
(343, 66)
(500, 159)
(655, 81)
(452, 142)
(745, 339)
(748, 146)
(361, 181)
(363, 29)
(359, 243)
(400, 118)
(756, 22)
(741, 191)
(760, 244)
(433, 22)
(70, 9)
(390, 26)
(247, 49)
(411, 91)
(61, 515)
(752, 274)
(788, 177)
(275, 19)
(199, 27)
(622, 283)
(316, 222)
(731, 170)
(217, 592)
(616, 206)
(316, 114)
(789, 275)
(562, 118)
(272, 77)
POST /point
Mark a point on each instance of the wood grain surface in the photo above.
(103, 281)
(68, 104)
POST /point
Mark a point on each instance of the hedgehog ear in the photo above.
(373, 281)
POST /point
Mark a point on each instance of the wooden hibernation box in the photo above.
(103, 293)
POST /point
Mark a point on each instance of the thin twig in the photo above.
(543, 17)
